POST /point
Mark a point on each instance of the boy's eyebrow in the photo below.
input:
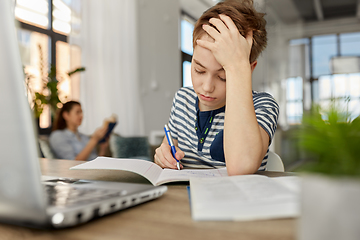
(197, 62)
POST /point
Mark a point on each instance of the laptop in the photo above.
(25, 198)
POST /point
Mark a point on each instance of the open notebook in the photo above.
(151, 171)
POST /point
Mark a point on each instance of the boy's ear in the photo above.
(253, 65)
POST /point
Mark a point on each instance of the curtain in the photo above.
(110, 84)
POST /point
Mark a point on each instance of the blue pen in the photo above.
(171, 143)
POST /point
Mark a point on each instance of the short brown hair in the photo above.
(246, 19)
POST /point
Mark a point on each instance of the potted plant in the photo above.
(49, 92)
(331, 188)
(49, 95)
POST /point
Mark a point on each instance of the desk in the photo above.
(165, 218)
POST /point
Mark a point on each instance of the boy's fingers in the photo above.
(219, 24)
(168, 158)
(162, 163)
(157, 158)
(204, 43)
(166, 150)
(211, 31)
(228, 22)
(179, 154)
(160, 159)
(158, 162)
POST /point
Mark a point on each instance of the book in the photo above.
(108, 132)
(110, 123)
(244, 198)
(151, 171)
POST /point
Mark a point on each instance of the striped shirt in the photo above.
(203, 148)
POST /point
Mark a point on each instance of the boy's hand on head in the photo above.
(163, 156)
(229, 47)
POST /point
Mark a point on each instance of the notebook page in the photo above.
(149, 170)
(171, 175)
(247, 197)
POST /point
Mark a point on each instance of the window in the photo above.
(298, 55)
(350, 44)
(186, 74)
(68, 87)
(34, 49)
(294, 100)
(187, 27)
(312, 63)
(341, 89)
(323, 49)
(43, 35)
(61, 17)
(33, 12)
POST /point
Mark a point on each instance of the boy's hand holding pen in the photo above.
(171, 144)
(168, 155)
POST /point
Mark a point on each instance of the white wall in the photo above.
(160, 59)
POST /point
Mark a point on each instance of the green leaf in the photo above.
(331, 141)
(80, 69)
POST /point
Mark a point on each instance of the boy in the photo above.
(221, 121)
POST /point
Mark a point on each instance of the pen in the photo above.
(171, 143)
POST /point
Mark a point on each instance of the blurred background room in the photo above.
(129, 57)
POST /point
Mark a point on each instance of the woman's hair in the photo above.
(60, 122)
(246, 19)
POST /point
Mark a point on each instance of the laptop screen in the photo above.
(21, 193)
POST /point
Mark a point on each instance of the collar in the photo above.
(213, 112)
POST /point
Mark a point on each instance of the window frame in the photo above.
(314, 81)
(54, 37)
(185, 57)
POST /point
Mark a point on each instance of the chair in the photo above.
(274, 163)
(45, 149)
(130, 147)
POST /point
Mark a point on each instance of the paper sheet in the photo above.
(247, 197)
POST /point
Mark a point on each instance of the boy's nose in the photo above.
(208, 84)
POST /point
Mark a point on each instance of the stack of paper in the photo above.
(248, 197)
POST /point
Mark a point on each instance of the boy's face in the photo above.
(208, 78)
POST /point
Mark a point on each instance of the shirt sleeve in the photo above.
(61, 146)
(267, 113)
(172, 124)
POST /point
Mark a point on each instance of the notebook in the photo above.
(149, 170)
(244, 198)
(26, 198)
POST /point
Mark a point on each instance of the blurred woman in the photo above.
(68, 143)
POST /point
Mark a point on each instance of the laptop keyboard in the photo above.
(65, 195)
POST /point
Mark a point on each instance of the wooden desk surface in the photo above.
(165, 218)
